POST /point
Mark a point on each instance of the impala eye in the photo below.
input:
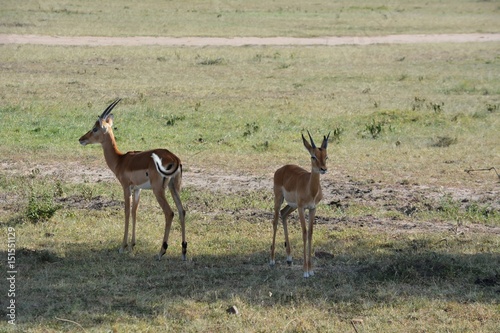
(94, 129)
(314, 157)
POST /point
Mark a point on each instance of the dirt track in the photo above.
(242, 41)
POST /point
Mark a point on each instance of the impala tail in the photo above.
(168, 171)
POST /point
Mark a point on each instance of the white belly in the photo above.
(145, 186)
(291, 201)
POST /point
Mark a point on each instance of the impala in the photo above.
(136, 170)
(301, 190)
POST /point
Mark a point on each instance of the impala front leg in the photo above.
(304, 240)
(312, 214)
(284, 215)
(128, 198)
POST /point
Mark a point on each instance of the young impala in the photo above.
(301, 190)
(153, 169)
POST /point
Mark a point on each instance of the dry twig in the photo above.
(485, 169)
(73, 322)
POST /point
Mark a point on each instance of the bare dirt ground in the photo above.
(242, 41)
(399, 200)
(340, 191)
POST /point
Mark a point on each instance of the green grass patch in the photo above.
(246, 110)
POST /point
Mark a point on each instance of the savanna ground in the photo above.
(405, 239)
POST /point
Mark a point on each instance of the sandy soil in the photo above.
(241, 41)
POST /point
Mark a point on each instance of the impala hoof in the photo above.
(272, 263)
(289, 260)
(184, 249)
(162, 252)
(308, 274)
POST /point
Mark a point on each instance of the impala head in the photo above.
(318, 155)
(102, 126)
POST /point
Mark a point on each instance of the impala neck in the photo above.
(111, 152)
(314, 184)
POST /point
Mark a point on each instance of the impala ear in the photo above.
(109, 119)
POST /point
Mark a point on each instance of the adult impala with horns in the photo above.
(154, 169)
(301, 190)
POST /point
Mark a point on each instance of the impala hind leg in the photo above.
(174, 186)
(284, 215)
(169, 216)
(278, 201)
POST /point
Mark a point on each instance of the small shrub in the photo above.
(374, 129)
(171, 120)
(418, 103)
(197, 106)
(40, 207)
(41, 198)
(87, 193)
(250, 128)
(491, 107)
(336, 134)
(261, 146)
(437, 107)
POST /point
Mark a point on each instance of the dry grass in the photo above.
(383, 278)
(236, 18)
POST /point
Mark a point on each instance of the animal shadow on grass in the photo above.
(89, 285)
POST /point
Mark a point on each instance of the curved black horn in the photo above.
(109, 108)
(312, 141)
(325, 140)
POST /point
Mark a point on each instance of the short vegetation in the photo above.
(405, 240)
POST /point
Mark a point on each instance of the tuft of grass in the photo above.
(211, 62)
(250, 128)
(374, 129)
(173, 119)
(444, 141)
